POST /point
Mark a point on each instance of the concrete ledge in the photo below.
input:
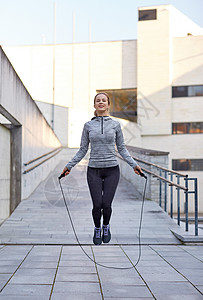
(186, 237)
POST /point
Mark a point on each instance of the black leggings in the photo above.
(102, 184)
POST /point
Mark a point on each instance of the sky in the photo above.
(31, 22)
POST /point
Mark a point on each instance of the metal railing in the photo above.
(167, 177)
(49, 154)
(163, 176)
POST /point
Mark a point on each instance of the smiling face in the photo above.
(101, 104)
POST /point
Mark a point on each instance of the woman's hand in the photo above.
(66, 171)
(137, 170)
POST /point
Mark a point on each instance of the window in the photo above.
(187, 91)
(187, 164)
(123, 103)
(179, 91)
(147, 14)
(185, 128)
(196, 90)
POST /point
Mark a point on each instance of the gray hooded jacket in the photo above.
(103, 133)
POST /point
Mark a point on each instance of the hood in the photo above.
(102, 117)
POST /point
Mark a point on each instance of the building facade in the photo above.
(155, 84)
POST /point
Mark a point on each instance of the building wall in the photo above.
(154, 72)
(80, 70)
(60, 114)
(187, 60)
(31, 134)
(4, 173)
(164, 60)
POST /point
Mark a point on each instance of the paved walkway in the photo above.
(40, 259)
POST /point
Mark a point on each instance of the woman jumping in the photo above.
(103, 133)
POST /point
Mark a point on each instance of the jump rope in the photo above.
(77, 239)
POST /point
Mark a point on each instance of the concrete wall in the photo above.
(154, 72)
(58, 114)
(31, 135)
(4, 172)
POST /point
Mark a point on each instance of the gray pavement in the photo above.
(40, 258)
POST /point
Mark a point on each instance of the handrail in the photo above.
(159, 167)
(171, 183)
(178, 187)
(37, 165)
(39, 157)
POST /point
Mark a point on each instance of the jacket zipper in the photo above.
(102, 125)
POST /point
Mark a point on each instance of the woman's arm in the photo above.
(84, 144)
(124, 152)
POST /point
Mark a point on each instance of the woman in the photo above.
(103, 133)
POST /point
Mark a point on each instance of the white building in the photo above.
(155, 83)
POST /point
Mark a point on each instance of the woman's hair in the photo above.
(101, 93)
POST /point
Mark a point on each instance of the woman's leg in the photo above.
(95, 183)
(111, 179)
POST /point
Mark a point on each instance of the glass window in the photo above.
(187, 164)
(179, 91)
(123, 103)
(185, 128)
(196, 90)
(147, 14)
(196, 127)
(187, 91)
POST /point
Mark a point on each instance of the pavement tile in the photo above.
(185, 263)
(21, 297)
(77, 277)
(168, 288)
(77, 270)
(76, 263)
(8, 269)
(12, 257)
(131, 298)
(26, 290)
(115, 290)
(35, 272)
(81, 256)
(29, 279)
(160, 274)
(5, 262)
(121, 280)
(184, 297)
(76, 296)
(42, 258)
(76, 287)
(30, 264)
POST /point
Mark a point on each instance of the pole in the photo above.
(196, 208)
(54, 65)
(73, 52)
(89, 66)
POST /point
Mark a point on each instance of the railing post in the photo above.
(186, 204)
(165, 190)
(160, 188)
(178, 199)
(196, 207)
(171, 212)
